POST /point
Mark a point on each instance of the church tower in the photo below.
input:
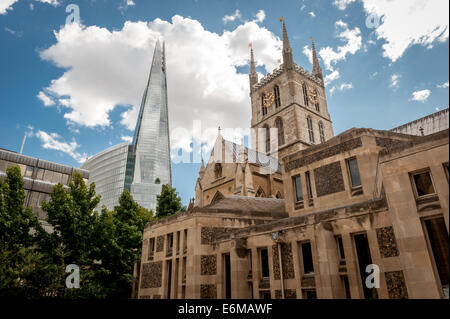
(292, 101)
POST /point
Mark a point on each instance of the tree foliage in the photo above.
(168, 202)
(104, 246)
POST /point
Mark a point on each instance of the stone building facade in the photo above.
(366, 206)
(364, 197)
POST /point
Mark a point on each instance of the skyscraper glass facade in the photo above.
(143, 166)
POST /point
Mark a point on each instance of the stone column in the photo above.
(329, 285)
(239, 269)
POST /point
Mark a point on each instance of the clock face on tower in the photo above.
(269, 98)
(313, 98)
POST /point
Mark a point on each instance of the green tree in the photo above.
(17, 223)
(75, 238)
(168, 202)
(125, 226)
(24, 272)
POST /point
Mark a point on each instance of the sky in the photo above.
(74, 86)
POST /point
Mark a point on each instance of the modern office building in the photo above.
(39, 177)
(143, 166)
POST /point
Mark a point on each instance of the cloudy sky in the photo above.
(74, 88)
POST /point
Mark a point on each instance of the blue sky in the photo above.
(75, 89)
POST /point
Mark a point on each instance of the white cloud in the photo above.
(345, 86)
(127, 139)
(353, 44)
(312, 14)
(31, 6)
(130, 3)
(405, 23)
(421, 96)
(394, 82)
(54, 3)
(14, 32)
(203, 82)
(342, 4)
(260, 16)
(233, 17)
(6, 5)
(53, 141)
(46, 100)
(331, 77)
(342, 87)
(443, 85)
(332, 90)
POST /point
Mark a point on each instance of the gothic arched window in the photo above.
(260, 193)
(310, 129)
(276, 91)
(263, 108)
(218, 170)
(305, 94)
(279, 125)
(267, 137)
(317, 100)
(321, 132)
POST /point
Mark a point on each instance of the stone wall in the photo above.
(208, 265)
(329, 179)
(151, 275)
(209, 234)
(326, 153)
(160, 244)
(395, 282)
(288, 294)
(286, 259)
(387, 242)
(208, 291)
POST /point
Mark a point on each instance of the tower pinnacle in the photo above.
(253, 75)
(288, 59)
(317, 70)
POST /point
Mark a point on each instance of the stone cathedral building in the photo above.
(304, 213)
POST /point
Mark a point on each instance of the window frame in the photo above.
(305, 94)
(280, 127)
(310, 129)
(260, 250)
(296, 200)
(321, 132)
(349, 173)
(414, 186)
(276, 91)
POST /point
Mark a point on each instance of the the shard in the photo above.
(144, 166)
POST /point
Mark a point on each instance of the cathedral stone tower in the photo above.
(291, 100)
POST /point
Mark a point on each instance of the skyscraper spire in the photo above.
(288, 59)
(151, 146)
(317, 70)
(253, 75)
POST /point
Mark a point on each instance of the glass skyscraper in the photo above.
(143, 166)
